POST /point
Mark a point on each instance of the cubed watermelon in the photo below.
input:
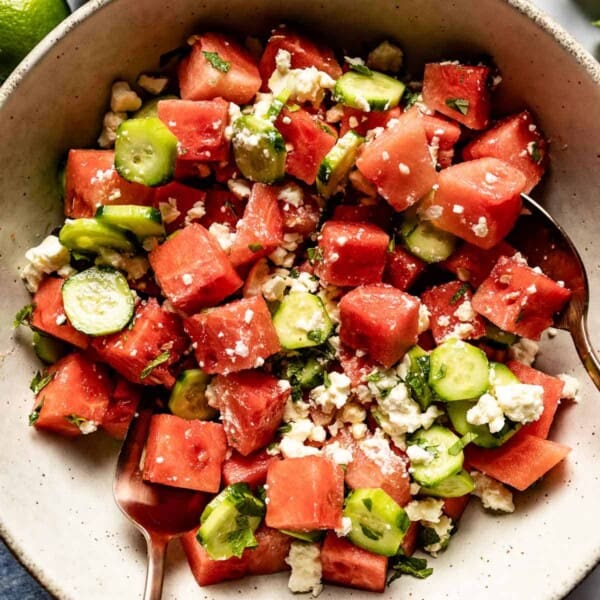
(356, 365)
(411, 538)
(517, 141)
(402, 268)
(351, 253)
(451, 312)
(479, 201)
(299, 216)
(398, 162)
(222, 207)
(379, 214)
(381, 320)
(192, 269)
(176, 200)
(305, 494)
(49, 314)
(233, 337)
(123, 404)
(76, 398)
(251, 405)
(154, 334)
(518, 299)
(455, 507)
(251, 469)
(458, 91)
(362, 122)
(218, 67)
(184, 454)
(91, 181)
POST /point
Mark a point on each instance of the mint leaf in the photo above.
(34, 414)
(458, 104)
(159, 360)
(460, 292)
(39, 382)
(255, 247)
(217, 62)
(23, 317)
(464, 441)
(315, 255)
(409, 565)
(411, 97)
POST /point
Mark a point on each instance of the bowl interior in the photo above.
(73, 536)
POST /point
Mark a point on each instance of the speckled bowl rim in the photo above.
(543, 22)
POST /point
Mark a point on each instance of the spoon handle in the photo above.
(156, 568)
(586, 353)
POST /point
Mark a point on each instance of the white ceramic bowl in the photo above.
(56, 506)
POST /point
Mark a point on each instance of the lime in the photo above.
(23, 23)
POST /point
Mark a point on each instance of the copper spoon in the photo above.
(161, 513)
(546, 244)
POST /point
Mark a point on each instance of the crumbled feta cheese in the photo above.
(187, 279)
(304, 560)
(152, 85)
(123, 98)
(283, 61)
(335, 114)
(429, 509)
(223, 234)
(443, 320)
(334, 395)
(86, 427)
(443, 529)
(330, 297)
(480, 229)
(291, 448)
(493, 494)
(195, 213)
(295, 411)
(404, 168)
(377, 447)
(338, 454)
(262, 103)
(358, 430)
(291, 194)
(110, 124)
(435, 211)
(423, 318)
(135, 266)
(61, 319)
(415, 488)
(305, 85)
(418, 455)
(274, 287)
(282, 257)
(521, 402)
(490, 178)
(524, 351)
(353, 413)
(465, 311)
(385, 57)
(168, 210)
(346, 527)
(570, 388)
(234, 113)
(46, 258)
(487, 411)
(240, 188)
(458, 209)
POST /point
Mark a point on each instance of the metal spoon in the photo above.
(546, 244)
(161, 513)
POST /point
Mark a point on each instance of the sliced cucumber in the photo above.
(228, 522)
(458, 371)
(337, 163)
(454, 486)
(301, 321)
(258, 149)
(150, 107)
(499, 336)
(48, 348)
(145, 151)
(425, 240)
(417, 378)
(500, 374)
(142, 221)
(368, 91)
(305, 536)
(188, 396)
(436, 440)
(91, 235)
(457, 412)
(378, 521)
(98, 301)
(277, 104)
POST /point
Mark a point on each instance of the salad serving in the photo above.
(306, 263)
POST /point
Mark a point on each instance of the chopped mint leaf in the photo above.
(23, 317)
(535, 152)
(374, 376)
(392, 244)
(284, 429)
(76, 420)
(34, 414)
(458, 104)
(294, 273)
(39, 382)
(460, 292)
(217, 62)
(255, 247)
(409, 565)
(402, 521)
(368, 532)
(428, 536)
(464, 441)
(326, 380)
(362, 69)
(241, 538)
(159, 360)
(411, 97)
(315, 255)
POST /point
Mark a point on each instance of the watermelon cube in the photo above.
(251, 405)
(192, 269)
(351, 253)
(222, 207)
(76, 398)
(362, 122)
(233, 337)
(177, 200)
(123, 404)
(49, 314)
(154, 334)
(305, 494)
(381, 320)
(455, 507)
(91, 181)
(398, 162)
(356, 366)
(379, 214)
(251, 469)
(517, 141)
(260, 230)
(458, 91)
(345, 564)
(518, 299)
(299, 217)
(479, 201)
(199, 127)
(184, 454)
(218, 67)
(310, 139)
(451, 312)
(442, 134)
(411, 538)
(402, 268)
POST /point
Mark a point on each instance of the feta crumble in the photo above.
(152, 85)
(570, 388)
(521, 402)
(493, 494)
(223, 234)
(443, 528)
(429, 509)
(385, 57)
(480, 229)
(305, 562)
(123, 98)
(524, 351)
(418, 455)
(487, 411)
(334, 395)
(110, 124)
(48, 257)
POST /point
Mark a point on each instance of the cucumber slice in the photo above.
(150, 107)
(301, 321)
(258, 149)
(277, 104)
(378, 522)
(91, 235)
(437, 440)
(368, 91)
(337, 163)
(458, 371)
(142, 221)
(500, 374)
(425, 240)
(305, 536)
(49, 349)
(228, 522)
(454, 486)
(188, 398)
(457, 412)
(98, 301)
(417, 378)
(145, 151)
(499, 336)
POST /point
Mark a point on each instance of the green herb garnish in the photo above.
(23, 317)
(458, 104)
(159, 360)
(460, 292)
(409, 565)
(217, 62)
(255, 247)
(39, 382)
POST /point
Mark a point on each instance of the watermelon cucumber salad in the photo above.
(304, 262)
